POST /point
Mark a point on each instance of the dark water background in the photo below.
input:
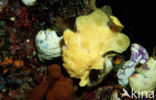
(138, 17)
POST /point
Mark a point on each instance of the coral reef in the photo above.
(89, 43)
(35, 66)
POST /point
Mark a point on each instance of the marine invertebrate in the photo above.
(56, 87)
(29, 2)
(24, 21)
(48, 45)
(144, 81)
(60, 87)
(84, 49)
(18, 63)
(3, 3)
(138, 55)
(38, 92)
(62, 90)
(54, 72)
(6, 61)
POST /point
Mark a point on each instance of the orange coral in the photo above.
(6, 61)
(5, 71)
(18, 63)
(9, 61)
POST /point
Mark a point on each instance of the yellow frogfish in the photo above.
(83, 50)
